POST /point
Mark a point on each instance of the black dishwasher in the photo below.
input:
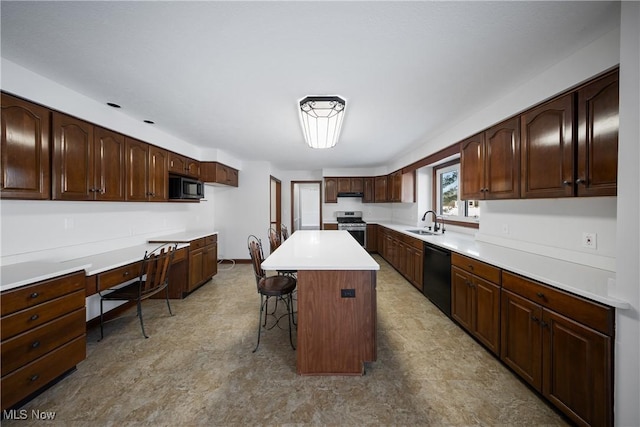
(436, 283)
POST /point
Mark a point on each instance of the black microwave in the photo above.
(185, 188)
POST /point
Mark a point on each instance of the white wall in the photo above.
(627, 349)
(61, 229)
(242, 211)
(66, 230)
(553, 227)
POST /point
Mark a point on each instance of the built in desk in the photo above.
(336, 300)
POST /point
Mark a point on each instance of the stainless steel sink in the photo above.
(423, 232)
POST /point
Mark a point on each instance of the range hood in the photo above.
(350, 194)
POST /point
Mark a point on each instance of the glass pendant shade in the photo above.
(321, 118)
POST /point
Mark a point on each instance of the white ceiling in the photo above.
(228, 75)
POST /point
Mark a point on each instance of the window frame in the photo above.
(471, 223)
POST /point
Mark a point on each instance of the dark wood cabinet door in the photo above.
(193, 168)
(331, 190)
(502, 160)
(521, 337)
(368, 190)
(210, 261)
(394, 187)
(73, 159)
(177, 163)
(344, 185)
(577, 370)
(598, 105)
(158, 187)
(461, 297)
(380, 187)
(137, 170)
(416, 271)
(472, 168)
(357, 185)
(486, 313)
(109, 167)
(547, 150)
(24, 168)
(196, 268)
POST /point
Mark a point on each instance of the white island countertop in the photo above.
(320, 250)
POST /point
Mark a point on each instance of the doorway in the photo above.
(276, 204)
(306, 205)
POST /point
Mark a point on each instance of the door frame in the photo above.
(319, 182)
(278, 203)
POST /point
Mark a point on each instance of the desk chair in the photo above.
(278, 287)
(153, 278)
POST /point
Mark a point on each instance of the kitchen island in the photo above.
(336, 300)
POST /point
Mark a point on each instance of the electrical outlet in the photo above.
(590, 240)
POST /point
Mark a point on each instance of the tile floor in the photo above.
(197, 368)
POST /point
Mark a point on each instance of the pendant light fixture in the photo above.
(321, 119)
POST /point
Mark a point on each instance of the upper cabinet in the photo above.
(368, 190)
(331, 190)
(147, 175)
(217, 173)
(490, 163)
(88, 161)
(565, 147)
(547, 149)
(401, 187)
(380, 189)
(24, 168)
(597, 168)
(182, 165)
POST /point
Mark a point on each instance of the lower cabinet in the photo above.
(475, 299)
(203, 261)
(562, 345)
(43, 335)
(403, 252)
(192, 266)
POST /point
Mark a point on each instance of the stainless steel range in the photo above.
(352, 222)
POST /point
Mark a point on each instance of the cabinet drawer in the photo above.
(476, 267)
(28, 296)
(40, 314)
(412, 241)
(21, 383)
(30, 345)
(590, 313)
(210, 240)
(197, 244)
(114, 277)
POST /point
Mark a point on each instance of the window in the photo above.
(447, 201)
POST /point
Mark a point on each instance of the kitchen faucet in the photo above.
(435, 220)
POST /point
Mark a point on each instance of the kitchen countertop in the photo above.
(99, 263)
(183, 237)
(25, 273)
(583, 280)
(320, 250)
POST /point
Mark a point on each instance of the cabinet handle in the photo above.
(468, 283)
(34, 317)
(535, 319)
(35, 344)
(544, 324)
(470, 267)
(566, 182)
(581, 181)
(34, 377)
(126, 273)
(539, 294)
(34, 295)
